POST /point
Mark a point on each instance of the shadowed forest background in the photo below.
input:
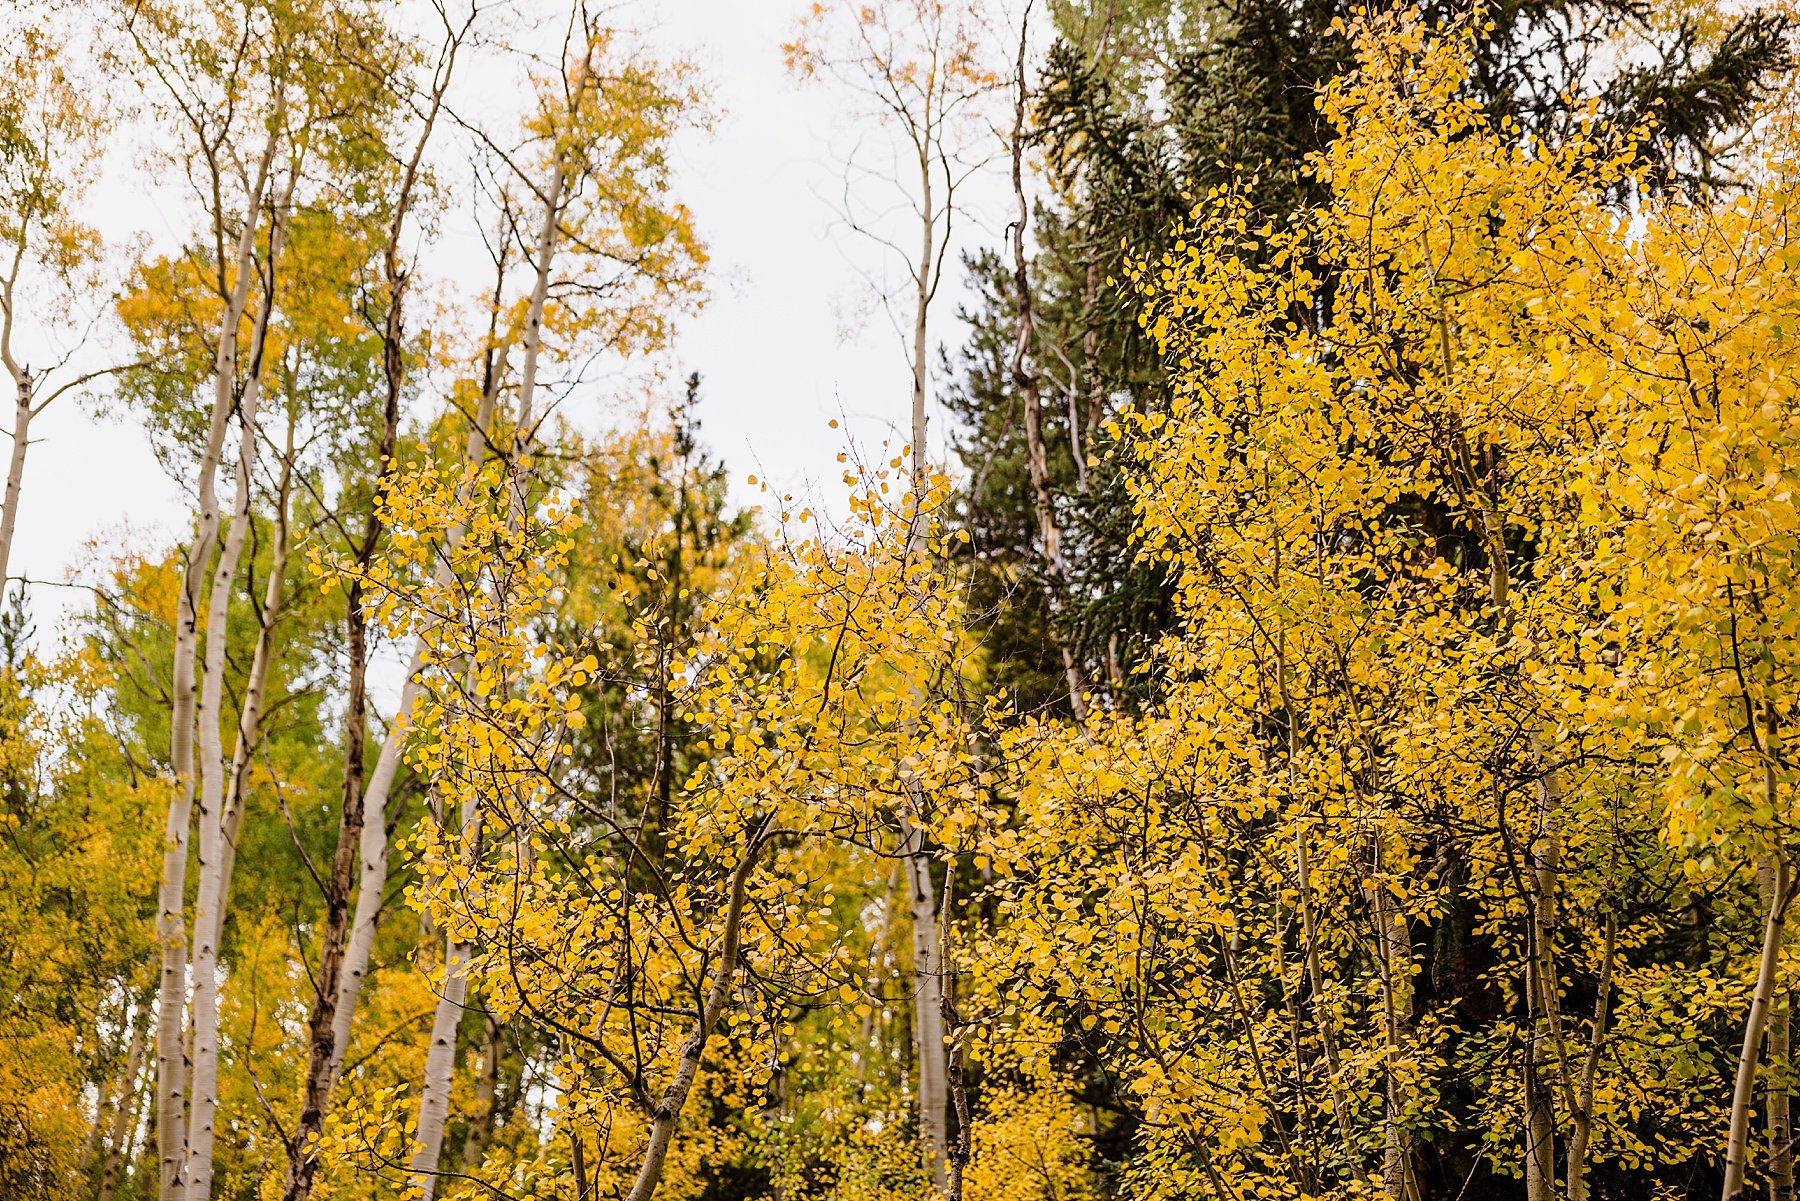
(1318, 730)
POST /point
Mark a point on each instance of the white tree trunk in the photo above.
(208, 908)
(440, 1060)
(931, 1056)
(1755, 1024)
(921, 345)
(249, 733)
(171, 1063)
(22, 392)
(1780, 1101)
(15, 470)
(933, 1085)
(1396, 999)
(125, 1108)
(1582, 1120)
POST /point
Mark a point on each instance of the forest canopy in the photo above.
(1317, 731)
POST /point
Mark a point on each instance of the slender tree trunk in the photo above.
(1762, 1000)
(928, 983)
(250, 713)
(171, 1063)
(1090, 354)
(15, 470)
(1582, 1120)
(303, 1157)
(440, 1059)
(125, 1117)
(1540, 1142)
(578, 1162)
(1544, 1052)
(1398, 1183)
(693, 1051)
(961, 1146)
(921, 345)
(1036, 456)
(209, 912)
(124, 1113)
(1780, 1102)
(487, 1086)
(208, 908)
(928, 1005)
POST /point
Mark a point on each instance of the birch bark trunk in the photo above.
(1776, 887)
(961, 1147)
(1398, 1181)
(171, 1062)
(1544, 1052)
(440, 1060)
(15, 469)
(933, 1085)
(1780, 1101)
(208, 910)
(22, 411)
(1582, 1120)
(250, 715)
(928, 985)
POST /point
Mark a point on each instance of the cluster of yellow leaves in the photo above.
(1477, 491)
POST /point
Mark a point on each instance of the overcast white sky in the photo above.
(772, 346)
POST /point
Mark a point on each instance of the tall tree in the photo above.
(922, 71)
(51, 127)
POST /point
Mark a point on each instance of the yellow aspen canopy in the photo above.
(1274, 683)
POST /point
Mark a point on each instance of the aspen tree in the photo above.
(50, 131)
(919, 68)
(356, 812)
(156, 34)
(600, 127)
